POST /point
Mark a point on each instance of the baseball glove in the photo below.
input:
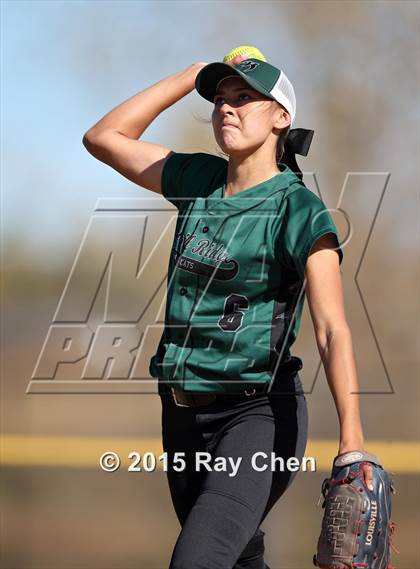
(356, 528)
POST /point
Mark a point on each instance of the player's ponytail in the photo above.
(297, 141)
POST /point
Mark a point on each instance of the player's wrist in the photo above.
(349, 445)
(185, 79)
(196, 67)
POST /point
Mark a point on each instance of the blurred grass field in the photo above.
(82, 518)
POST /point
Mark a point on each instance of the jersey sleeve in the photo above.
(187, 176)
(306, 220)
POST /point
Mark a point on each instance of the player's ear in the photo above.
(282, 118)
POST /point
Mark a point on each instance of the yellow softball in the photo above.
(249, 50)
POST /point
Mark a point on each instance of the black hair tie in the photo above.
(298, 141)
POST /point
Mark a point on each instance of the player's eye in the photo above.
(218, 99)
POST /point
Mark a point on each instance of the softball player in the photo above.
(250, 241)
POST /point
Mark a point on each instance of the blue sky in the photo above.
(65, 64)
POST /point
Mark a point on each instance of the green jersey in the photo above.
(235, 289)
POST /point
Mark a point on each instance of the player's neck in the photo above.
(242, 176)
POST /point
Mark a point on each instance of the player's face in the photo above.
(244, 119)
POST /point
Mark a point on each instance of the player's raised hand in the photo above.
(237, 59)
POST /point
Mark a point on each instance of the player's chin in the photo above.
(228, 143)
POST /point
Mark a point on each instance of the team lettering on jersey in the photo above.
(227, 267)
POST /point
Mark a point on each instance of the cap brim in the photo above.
(209, 77)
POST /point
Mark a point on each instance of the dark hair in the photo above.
(281, 143)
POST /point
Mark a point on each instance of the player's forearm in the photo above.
(340, 368)
(134, 115)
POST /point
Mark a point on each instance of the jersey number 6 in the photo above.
(233, 312)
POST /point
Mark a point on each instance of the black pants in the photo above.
(220, 513)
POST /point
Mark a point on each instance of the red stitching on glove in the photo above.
(347, 480)
(392, 527)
